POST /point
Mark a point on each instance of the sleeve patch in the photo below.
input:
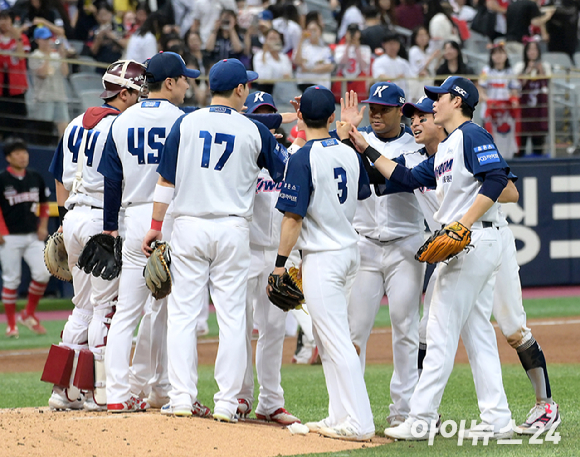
(484, 147)
(289, 194)
(488, 157)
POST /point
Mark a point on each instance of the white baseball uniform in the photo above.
(391, 230)
(131, 155)
(462, 297)
(213, 156)
(324, 179)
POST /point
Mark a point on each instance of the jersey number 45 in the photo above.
(154, 146)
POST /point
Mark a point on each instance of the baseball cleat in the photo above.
(544, 416)
(91, 405)
(280, 416)
(221, 417)
(315, 426)
(395, 421)
(403, 432)
(485, 431)
(345, 432)
(59, 401)
(156, 400)
(132, 405)
(197, 410)
(31, 322)
(12, 332)
(244, 408)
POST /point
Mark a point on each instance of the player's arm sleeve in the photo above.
(512, 177)
(364, 186)
(482, 158)
(295, 193)
(273, 155)
(423, 175)
(270, 120)
(111, 168)
(56, 165)
(168, 160)
(44, 192)
(386, 187)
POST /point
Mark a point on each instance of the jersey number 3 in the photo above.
(220, 138)
(340, 176)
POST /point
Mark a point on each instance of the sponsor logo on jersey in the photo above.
(267, 185)
(220, 109)
(289, 194)
(488, 157)
(330, 142)
(484, 147)
(150, 104)
(443, 168)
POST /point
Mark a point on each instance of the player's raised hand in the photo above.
(343, 129)
(150, 237)
(296, 102)
(349, 111)
(358, 140)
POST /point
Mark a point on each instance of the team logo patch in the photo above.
(484, 147)
(289, 194)
(150, 104)
(460, 91)
(330, 142)
(488, 157)
(379, 91)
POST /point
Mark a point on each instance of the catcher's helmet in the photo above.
(123, 74)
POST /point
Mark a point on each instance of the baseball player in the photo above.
(80, 198)
(131, 154)
(469, 174)
(22, 235)
(264, 240)
(323, 181)
(209, 169)
(391, 230)
(507, 302)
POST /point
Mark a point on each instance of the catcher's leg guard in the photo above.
(84, 377)
(98, 331)
(58, 366)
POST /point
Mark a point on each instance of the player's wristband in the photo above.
(163, 194)
(61, 213)
(281, 261)
(372, 154)
(156, 225)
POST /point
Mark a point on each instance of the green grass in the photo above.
(536, 308)
(306, 397)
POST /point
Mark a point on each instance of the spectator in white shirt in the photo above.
(205, 14)
(288, 25)
(391, 67)
(143, 43)
(422, 58)
(313, 58)
(270, 62)
(352, 14)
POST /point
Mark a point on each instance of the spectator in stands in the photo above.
(225, 41)
(441, 26)
(270, 62)
(463, 11)
(386, 12)
(13, 76)
(500, 8)
(353, 60)
(48, 78)
(533, 99)
(313, 58)
(205, 14)
(391, 67)
(106, 40)
(142, 44)
(350, 14)
(133, 20)
(374, 32)
(501, 95)
(409, 14)
(255, 36)
(194, 57)
(453, 62)
(521, 14)
(562, 28)
(288, 25)
(84, 20)
(38, 13)
(422, 58)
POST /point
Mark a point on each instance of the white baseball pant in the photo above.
(14, 249)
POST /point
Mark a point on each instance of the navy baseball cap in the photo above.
(42, 33)
(317, 102)
(456, 85)
(257, 99)
(227, 74)
(386, 93)
(168, 65)
(424, 105)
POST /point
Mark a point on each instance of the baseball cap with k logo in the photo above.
(386, 93)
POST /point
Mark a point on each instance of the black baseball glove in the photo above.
(101, 256)
(285, 292)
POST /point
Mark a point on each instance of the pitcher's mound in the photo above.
(40, 431)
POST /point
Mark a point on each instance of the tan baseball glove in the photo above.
(56, 257)
(156, 272)
(444, 244)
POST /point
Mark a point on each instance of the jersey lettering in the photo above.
(443, 168)
(340, 175)
(220, 138)
(74, 143)
(153, 144)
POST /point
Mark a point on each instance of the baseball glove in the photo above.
(285, 291)
(156, 272)
(56, 257)
(445, 244)
(102, 257)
